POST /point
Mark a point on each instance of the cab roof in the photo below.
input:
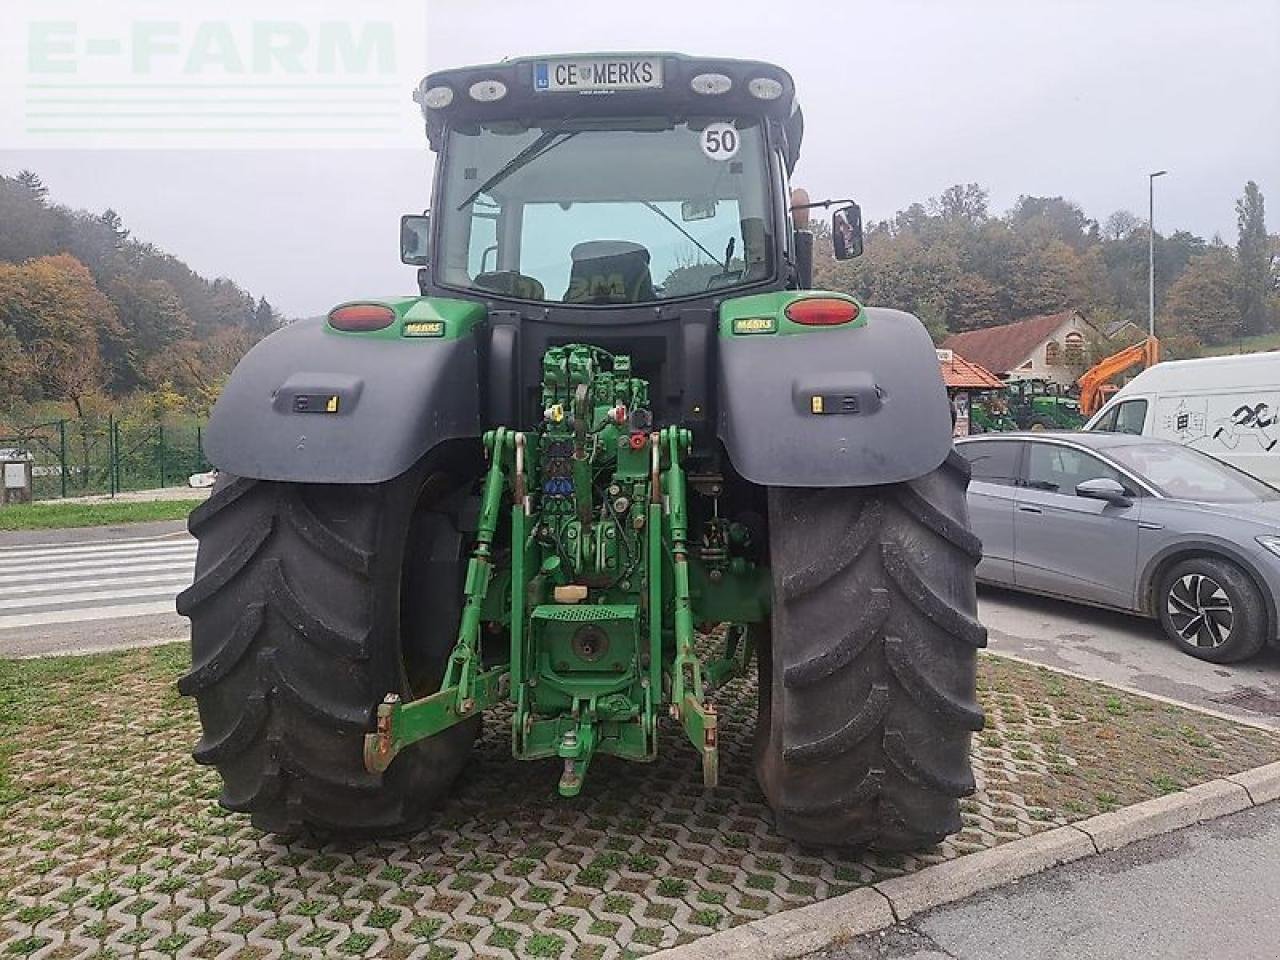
(671, 94)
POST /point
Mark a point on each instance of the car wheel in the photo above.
(1212, 610)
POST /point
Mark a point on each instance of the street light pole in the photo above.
(1151, 251)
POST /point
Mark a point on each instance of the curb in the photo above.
(805, 930)
(94, 649)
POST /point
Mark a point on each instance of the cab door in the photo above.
(1068, 545)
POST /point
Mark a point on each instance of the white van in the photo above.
(1228, 407)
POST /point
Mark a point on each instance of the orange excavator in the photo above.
(1095, 385)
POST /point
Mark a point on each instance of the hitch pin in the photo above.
(379, 747)
(521, 491)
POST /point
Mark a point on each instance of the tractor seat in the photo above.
(510, 283)
(609, 271)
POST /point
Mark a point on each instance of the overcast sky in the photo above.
(902, 99)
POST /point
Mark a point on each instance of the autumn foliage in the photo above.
(90, 316)
(959, 266)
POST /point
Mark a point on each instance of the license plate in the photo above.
(621, 73)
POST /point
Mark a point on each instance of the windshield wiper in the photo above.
(690, 237)
(545, 143)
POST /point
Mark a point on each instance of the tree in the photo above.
(114, 225)
(1046, 278)
(1201, 302)
(962, 203)
(1052, 218)
(33, 185)
(152, 318)
(264, 320)
(1253, 258)
(27, 226)
(1120, 225)
(56, 312)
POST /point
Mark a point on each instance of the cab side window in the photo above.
(993, 461)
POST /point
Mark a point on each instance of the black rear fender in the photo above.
(308, 405)
(882, 416)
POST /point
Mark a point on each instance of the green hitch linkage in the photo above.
(697, 718)
(466, 689)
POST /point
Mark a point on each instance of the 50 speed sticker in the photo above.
(720, 141)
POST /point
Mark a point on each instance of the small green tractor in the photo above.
(1036, 404)
(615, 454)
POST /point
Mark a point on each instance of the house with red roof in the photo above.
(1051, 347)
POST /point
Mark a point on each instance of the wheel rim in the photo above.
(1200, 611)
(1037, 426)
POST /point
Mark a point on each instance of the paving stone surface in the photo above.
(115, 846)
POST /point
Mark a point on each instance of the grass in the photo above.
(33, 692)
(47, 515)
(1263, 341)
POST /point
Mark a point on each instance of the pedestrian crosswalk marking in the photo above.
(46, 577)
(89, 613)
(92, 549)
(180, 537)
(43, 584)
(110, 563)
(59, 586)
(44, 560)
(69, 599)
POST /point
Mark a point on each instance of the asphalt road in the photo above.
(92, 589)
(1205, 892)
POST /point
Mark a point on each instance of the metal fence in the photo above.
(71, 458)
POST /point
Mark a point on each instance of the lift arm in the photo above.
(1096, 377)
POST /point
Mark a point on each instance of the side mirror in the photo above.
(1104, 488)
(415, 239)
(846, 232)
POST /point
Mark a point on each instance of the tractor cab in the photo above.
(612, 181)
(595, 196)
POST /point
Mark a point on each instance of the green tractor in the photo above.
(616, 450)
(1037, 404)
(989, 413)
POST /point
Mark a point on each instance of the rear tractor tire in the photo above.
(867, 683)
(310, 604)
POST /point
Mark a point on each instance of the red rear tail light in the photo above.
(360, 317)
(822, 311)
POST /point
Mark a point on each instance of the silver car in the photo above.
(1134, 524)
